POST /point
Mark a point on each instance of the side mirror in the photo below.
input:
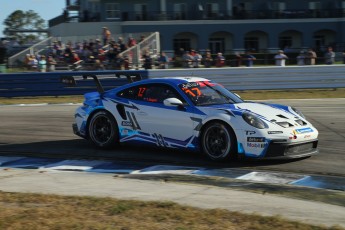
(172, 102)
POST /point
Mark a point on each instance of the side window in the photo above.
(155, 93)
(130, 93)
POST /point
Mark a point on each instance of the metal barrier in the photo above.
(50, 84)
(266, 78)
(255, 78)
(37, 48)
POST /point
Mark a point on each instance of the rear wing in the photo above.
(71, 80)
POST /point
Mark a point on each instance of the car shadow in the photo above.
(149, 155)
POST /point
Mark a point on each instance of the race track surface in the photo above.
(45, 130)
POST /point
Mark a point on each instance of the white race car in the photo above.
(195, 114)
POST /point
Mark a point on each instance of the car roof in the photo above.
(174, 80)
(169, 80)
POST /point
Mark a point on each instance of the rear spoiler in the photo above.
(71, 81)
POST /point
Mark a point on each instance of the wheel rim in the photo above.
(101, 129)
(217, 141)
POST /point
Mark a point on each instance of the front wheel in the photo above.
(218, 141)
(103, 130)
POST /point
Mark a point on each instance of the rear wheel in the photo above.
(103, 130)
(218, 141)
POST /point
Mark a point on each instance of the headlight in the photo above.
(253, 120)
(298, 112)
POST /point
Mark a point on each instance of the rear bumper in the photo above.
(279, 150)
(76, 130)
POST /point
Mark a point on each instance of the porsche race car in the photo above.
(197, 114)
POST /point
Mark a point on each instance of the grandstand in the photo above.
(149, 43)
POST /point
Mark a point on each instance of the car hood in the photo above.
(268, 112)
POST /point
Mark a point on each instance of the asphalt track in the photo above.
(45, 130)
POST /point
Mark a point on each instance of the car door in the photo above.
(170, 126)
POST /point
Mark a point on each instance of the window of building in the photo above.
(216, 45)
(112, 10)
(212, 10)
(184, 43)
(251, 43)
(315, 9)
(279, 6)
(285, 42)
(319, 41)
(180, 11)
(140, 12)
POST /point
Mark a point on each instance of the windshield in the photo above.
(208, 93)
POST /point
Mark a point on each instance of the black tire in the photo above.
(103, 130)
(218, 141)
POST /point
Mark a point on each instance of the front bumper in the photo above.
(281, 150)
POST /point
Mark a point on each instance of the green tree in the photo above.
(24, 20)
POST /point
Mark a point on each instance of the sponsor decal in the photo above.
(275, 132)
(127, 123)
(250, 133)
(304, 130)
(255, 139)
(256, 145)
(307, 136)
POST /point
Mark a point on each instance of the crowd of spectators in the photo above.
(106, 53)
(93, 54)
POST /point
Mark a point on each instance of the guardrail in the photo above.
(267, 78)
(256, 78)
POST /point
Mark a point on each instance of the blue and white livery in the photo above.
(195, 114)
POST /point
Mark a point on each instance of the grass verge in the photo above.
(246, 95)
(33, 211)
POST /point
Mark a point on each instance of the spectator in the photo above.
(329, 56)
(122, 45)
(280, 58)
(301, 58)
(106, 34)
(51, 63)
(187, 59)
(310, 57)
(220, 60)
(119, 61)
(42, 64)
(27, 61)
(98, 65)
(208, 60)
(33, 63)
(238, 59)
(249, 59)
(147, 61)
(68, 56)
(197, 58)
(131, 42)
(163, 61)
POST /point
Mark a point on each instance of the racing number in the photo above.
(141, 91)
(190, 91)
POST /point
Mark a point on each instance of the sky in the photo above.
(47, 9)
